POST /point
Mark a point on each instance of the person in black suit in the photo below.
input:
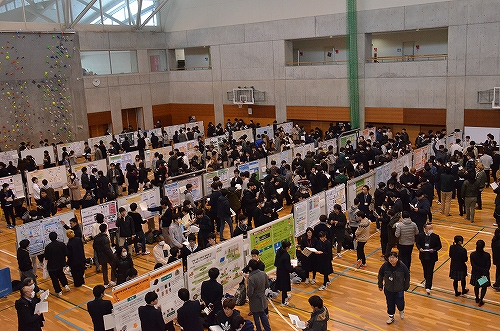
(151, 317)
(55, 254)
(211, 294)
(188, 314)
(27, 319)
(98, 307)
(428, 243)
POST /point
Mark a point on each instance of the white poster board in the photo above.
(76, 146)
(15, 184)
(187, 147)
(108, 209)
(368, 133)
(37, 154)
(96, 140)
(216, 141)
(150, 154)
(129, 296)
(37, 232)
(335, 195)
(303, 149)
(286, 155)
(123, 159)
(263, 130)
(286, 127)
(247, 132)
(254, 167)
(173, 194)
(197, 189)
(225, 175)
(198, 124)
(97, 164)
(420, 157)
(355, 185)
(144, 200)
(170, 130)
(5, 157)
(56, 176)
(324, 145)
(227, 256)
(478, 134)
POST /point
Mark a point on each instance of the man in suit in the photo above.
(55, 254)
(428, 243)
(257, 284)
(151, 317)
(27, 318)
(98, 307)
(188, 315)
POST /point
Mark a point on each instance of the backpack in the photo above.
(240, 296)
(151, 237)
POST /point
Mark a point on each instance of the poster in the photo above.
(252, 167)
(216, 141)
(348, 137)
(286, 127)
(56, 176)
(144, 200)
(15, 184)
(5, 157)
(95, 140)
(267, 239)
(172, 192)
(301, 218)
(197, 188)
(335, 195)
(279, 157)
(131, 136)
(368, 133)
(265, 130)
(223, 175)
(313, 209)
(123, 159)
(38, 154)
(227, 256)
(170, 130)
(108, 209)
(187, 147)
(129, 296)
(247, 132)
(76, 146)
(37, 232)
(420, 157)
(324, 145)
(150, 154)
(99, 165)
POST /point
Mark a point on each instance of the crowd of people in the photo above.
(400, 208)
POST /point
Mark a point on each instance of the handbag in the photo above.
(131, 240)
(481, 281)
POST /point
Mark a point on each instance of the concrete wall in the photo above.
(250, 50)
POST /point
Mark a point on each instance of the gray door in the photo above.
(409, 49)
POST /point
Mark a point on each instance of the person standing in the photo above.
(257, 284)
(24, 261)
(74, 191)
(7, 198)
(406, 230)
(98, 307)
(362, 236)
(319, 316)
(55, 254)
(394, 280)
(102, 249)
(308, 262)
(188, 314)
(324, 259)
(447, 182)
(161, 251)
(458, 266)
(211, 294)
(27, 318)
(428, 244)
(224, 213)
(283, 270)
(166, 214)
(480, 275)
(150, 316)
(36, 189)
(338, 222)
(123, 265)
(470, 192)
(76, 258)
(139, 232)
(126, 229)
(495, 250)
(419, 210)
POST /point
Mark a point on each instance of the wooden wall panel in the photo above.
(265, 115)
(424, 116)
(99, 118)
(384, 115)
(178, 113)
(311, 113)
(482, 117)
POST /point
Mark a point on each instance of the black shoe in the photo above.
(477, 300)
(465, 291)
(457, 294)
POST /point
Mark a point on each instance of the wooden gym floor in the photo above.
(352, 298)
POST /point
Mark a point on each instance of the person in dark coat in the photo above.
(151, 318)
(224, 213)
(73, 225)
(428, 244)
(76, 258)
(338, 222)
(103, 185)
(322, 226)
(123, 264)
(98, 307)
(206, 226)
(283, 270)
(495, 250)
(102, 248)
(226, 316)
(55, 254)
(24, 261)
(319, 316)
(308, 263)
(420, 209)
(211, 294)
(188, 316)
(458, 266)
(365, 199)
(324, 259)
(27, 319)
(481, 264)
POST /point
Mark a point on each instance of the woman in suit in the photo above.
(481, 264)
(308, 262)
(76, 257)
(458, 268)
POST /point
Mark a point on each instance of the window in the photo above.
(316, 51)
(157, 60)
(108, 62)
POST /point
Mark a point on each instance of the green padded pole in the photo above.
(352, 63)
